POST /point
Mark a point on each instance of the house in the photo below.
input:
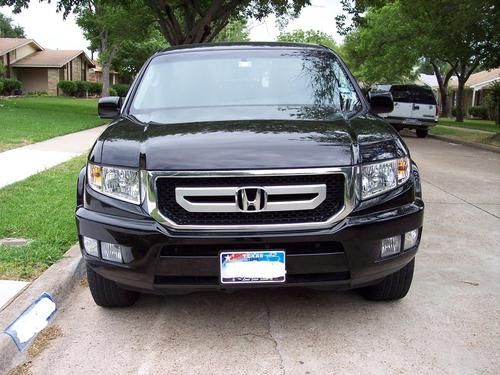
(95, 74)
(40, 69)
(476, 88)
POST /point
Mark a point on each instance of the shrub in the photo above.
(113, 92)
(11, 85)
(95, 88)
(121, 89)
(493, 102)
(67, 87)
(82, 88)
(1, 87)
(480, 112)
(37, 93)
(454, 111)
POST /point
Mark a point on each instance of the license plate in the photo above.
(247, 267)
(411, 121)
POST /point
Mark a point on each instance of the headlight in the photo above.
(119, 183)
(378, 178)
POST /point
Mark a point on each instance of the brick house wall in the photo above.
(53, 78)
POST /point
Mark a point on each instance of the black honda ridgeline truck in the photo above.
(247, 165)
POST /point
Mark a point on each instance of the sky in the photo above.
(42, 23)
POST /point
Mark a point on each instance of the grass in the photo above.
(485, 125)
(467, 135)
(40, 208)
(26, 120)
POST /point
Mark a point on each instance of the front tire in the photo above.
(107, 293)
(393, 287)
(422, 133)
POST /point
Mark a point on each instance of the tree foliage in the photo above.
(235, 31)
(382, 49)
(200, 21)
(8, 29)
(109, 25)
(309, 36)
(132, 54)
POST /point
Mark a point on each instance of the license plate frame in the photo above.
(252, 266)
(412, 121)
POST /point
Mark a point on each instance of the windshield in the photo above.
(239, 78)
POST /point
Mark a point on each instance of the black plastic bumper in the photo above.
(342, 257)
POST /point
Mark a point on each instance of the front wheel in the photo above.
(107, 293)
(393, 287)
(422, 133)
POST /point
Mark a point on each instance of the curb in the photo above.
(58, 280)
(466, 143)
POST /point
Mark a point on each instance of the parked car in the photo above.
(415, 107)
(247, 165)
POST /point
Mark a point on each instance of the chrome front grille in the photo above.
(272, 199)
(331, 202)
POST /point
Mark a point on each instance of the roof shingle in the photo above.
(8, 44)
(49, 59)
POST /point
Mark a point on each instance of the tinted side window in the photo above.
(423, 96)
(401, 94)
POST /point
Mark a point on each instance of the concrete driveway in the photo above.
(448, 324)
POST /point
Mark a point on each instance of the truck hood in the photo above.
(288, 142)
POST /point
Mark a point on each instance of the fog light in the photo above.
(411, 239)
(91, 246)
(111, 251)
(390, 246)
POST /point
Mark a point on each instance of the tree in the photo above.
(109, 25)
(193, 21)
(200, 21)
(235, 31)
(309, 36)
(132, 54)
(8, 29)
(459, 35)
(382, 50)
(463, 33)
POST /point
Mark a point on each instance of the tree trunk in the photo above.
(445, 108)
(460, 100)
(105, 78)
(443, 87)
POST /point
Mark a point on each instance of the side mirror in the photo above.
(380, 102)
(109, 107)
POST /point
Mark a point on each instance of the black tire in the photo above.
(422, 133)
(393, 287)
(107, 293)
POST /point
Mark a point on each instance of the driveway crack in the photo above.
(271, 336)
(461, 199)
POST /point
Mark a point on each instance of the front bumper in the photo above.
(345, 256)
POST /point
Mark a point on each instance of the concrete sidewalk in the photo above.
(22, 162)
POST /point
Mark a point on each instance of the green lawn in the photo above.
(470, 136)
(40, 208)
(471, 124)
(26, 120)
